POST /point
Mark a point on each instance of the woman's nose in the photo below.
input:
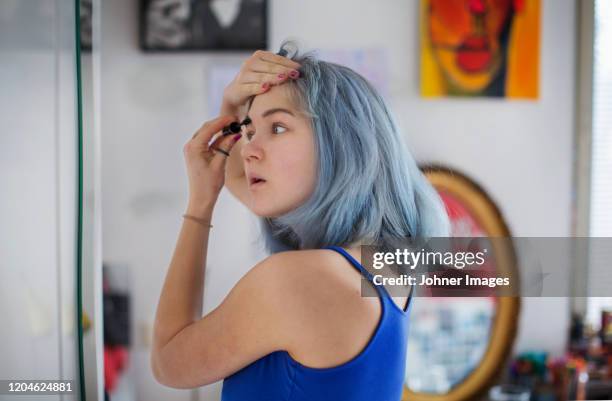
(251, 150)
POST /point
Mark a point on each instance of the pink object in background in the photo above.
(115, 362)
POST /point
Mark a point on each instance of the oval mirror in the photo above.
(456, 346)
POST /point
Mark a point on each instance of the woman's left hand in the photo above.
(206, 166)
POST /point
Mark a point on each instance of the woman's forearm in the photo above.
(180, 302)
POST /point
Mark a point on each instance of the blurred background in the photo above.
(98, 97)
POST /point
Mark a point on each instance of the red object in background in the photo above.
(115, 361)
(463, 222)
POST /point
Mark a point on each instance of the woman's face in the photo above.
(465, 37)
(279, 149)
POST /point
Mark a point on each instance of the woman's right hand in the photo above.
(258, 74)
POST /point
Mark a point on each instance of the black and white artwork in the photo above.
(174, 25)
(85, 23)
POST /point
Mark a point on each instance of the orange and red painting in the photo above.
(480, 48)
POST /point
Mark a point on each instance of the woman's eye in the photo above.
(275, 129)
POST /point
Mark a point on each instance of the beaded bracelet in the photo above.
(203, 222)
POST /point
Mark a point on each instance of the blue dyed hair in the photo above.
(369, 187)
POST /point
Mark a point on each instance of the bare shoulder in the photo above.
(301, 285)
(327, 319)
(307, 282)
(291, 279)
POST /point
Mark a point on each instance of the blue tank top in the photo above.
(376, 373)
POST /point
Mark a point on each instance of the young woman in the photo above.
(324, 167)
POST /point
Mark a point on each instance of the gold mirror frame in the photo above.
(503, 330)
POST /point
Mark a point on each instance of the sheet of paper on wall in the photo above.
(219, 76)
(372, 63)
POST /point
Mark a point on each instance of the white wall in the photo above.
(521, 152)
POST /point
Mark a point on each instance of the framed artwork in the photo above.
(85, 24)
(480, 48)
(460, 344)
(196, 25)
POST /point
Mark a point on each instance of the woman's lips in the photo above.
(256, 183)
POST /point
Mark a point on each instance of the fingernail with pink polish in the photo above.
(294, 74)
(281, 76)
(265, 86)
(237, 136)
